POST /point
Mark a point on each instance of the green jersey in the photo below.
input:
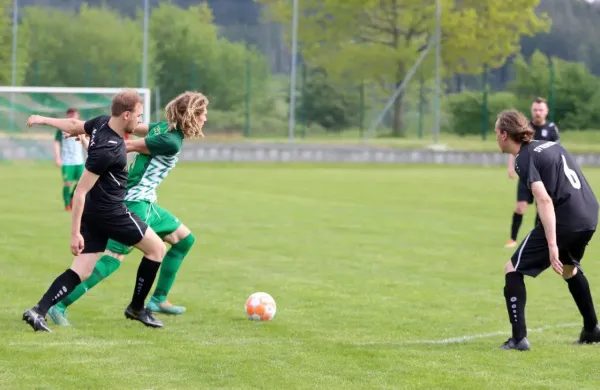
(146, 172)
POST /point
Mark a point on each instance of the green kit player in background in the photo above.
(157, 155)
(69, 157)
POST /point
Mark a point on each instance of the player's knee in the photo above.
(117, 256)
(184, 245)
(508, 267)
(157, 250)
(521, 207)
(569, 271)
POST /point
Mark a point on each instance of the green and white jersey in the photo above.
(71, 150)
(146, 172)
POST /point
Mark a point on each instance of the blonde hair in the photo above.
(183, 111)
(515, 125)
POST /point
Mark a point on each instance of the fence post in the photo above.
(484, 103)
(248, 96)
(303, 112)
(421, 104)
(362, 108)
(551, 97)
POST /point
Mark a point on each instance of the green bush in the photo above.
(466, 110)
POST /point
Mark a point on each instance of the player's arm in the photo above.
(556, 135)
(85, 184)
(545, 208)
(137, 145)
(511, 166)
(164, 144)
(68, 125)
(57, 142)
(85, 141)
(141, 130)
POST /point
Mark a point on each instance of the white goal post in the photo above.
(20, 101)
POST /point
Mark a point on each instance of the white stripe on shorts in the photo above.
(521, 250)
(136, 224)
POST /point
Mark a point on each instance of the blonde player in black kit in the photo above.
(99, 211)
(543, 131)
(568, 211)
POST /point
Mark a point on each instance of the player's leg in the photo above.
(531, 258)
(130, 230)
(524, 197)
(579, 286)
(111, 261)
(80, 270)
(67, 173)
(181, 239)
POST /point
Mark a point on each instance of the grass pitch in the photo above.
(385, 277)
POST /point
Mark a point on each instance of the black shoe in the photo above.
(144, 316)
(589, 337)
(36, 321)
(522, 345)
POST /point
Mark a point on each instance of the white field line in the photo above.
(446, 341)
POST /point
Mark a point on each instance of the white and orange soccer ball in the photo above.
(260, 306)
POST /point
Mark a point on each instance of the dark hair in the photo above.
(516, 125)
(540, 100)
(72, 110)
(125, 101)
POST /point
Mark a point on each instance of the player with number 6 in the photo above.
(568, 211)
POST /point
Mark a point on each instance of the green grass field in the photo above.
(385, 277)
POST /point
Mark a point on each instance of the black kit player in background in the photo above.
(99, 211)
(544, 131)
(568, 211)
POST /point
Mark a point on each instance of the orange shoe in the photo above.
(511, 244)
(68, 208)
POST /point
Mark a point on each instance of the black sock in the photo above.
(580, 290)
(145, 278)
(516, 225)
(60, 288)
(516, 298)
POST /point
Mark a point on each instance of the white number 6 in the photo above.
(571, 174)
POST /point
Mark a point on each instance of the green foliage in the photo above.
(327, 104)
(191, 56)
(6, 37)
(65, 49)
(576, 103)
(467, 110)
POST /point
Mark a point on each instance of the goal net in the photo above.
(17, 103)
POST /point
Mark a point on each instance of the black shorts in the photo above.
(532, 256)
(124, 227)
(524, 194)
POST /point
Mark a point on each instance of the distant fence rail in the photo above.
(16, 149)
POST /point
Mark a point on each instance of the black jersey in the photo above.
(575, 204)
(107, 158)
(546, 132)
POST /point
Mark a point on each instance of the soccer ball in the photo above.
(260, 306)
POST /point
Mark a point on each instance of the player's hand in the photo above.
(58, 162)
(77, 244)
(69, 135)
(34, 120)
(554, 260)
(511, 173)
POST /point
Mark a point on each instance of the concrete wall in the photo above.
(270, 152)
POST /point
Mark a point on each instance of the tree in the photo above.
(190, 55)
(379, 40)
(6, 38)
(66, 51)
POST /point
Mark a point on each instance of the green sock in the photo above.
(67, 195)
(170, 266)
(104, 267)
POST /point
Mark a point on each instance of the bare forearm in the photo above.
(68, 125)
(56, 150)
(548, 218)
(141, 130)
(78, 204)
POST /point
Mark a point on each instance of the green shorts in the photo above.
(159, 219)
(72, 172)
